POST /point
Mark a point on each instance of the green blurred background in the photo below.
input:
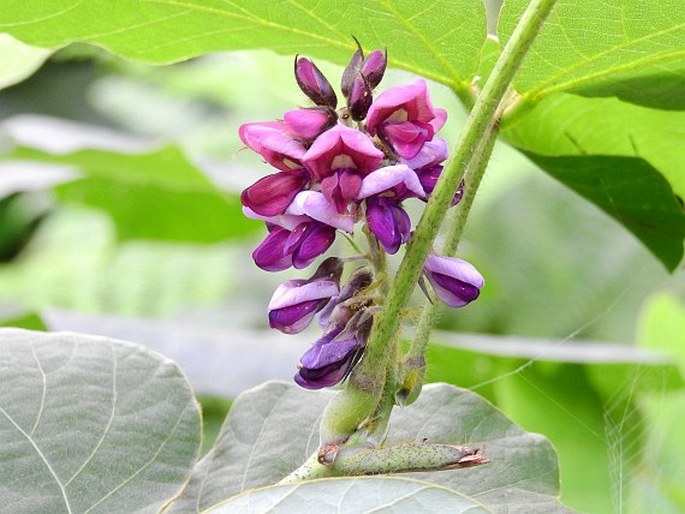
(119, 216)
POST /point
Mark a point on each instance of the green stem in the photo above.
(364, 390)
(414, 362)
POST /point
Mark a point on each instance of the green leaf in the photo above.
(284, 418)
(28, 320)
(359, 495)
(630, 49)
(156, 195)
(440, 40)
(630, 190)
(592, 129)
(91, 424)
(19, 60)
(574, 392)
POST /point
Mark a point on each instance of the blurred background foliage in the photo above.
(119, 215)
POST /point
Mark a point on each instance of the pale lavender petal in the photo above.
(454, 267)
(297, 291)
(315, 205)
(433, 152)
(287, 221)
(388, 177)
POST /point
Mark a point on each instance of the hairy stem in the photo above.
(414, 362)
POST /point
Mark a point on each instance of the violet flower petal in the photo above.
(326, 364)
(270, 255)
(388, 222)
(308, 241)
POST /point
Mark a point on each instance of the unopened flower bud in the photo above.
(314, 84)
(388, 221)
(332, 357)
(295, 303)
(360, 279)
(455, 281)
(360, 98)
(373, 67)
(352, 71)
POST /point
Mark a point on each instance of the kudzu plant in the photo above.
(338, 168)
(91, 424)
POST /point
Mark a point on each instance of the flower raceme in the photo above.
(334, 169)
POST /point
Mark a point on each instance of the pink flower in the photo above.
(309, 123)
(342, 148)
(405, 117)
(271, 140)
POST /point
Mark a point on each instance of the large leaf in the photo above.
(360, 495)
(283, 421)
(628, 189)
(437, 39)
(154, 195)
(580, 394)
(90, 424)
(18, 61)
(631, 49)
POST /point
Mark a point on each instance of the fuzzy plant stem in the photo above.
(413, 363)
(364, 390)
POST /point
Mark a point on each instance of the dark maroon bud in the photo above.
(373, 67)
(313, 83)
(352, 71)
(331, 269)
(360, 98)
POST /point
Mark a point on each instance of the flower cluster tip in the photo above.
(334, 169)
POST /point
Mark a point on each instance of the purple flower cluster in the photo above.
(335, 168)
